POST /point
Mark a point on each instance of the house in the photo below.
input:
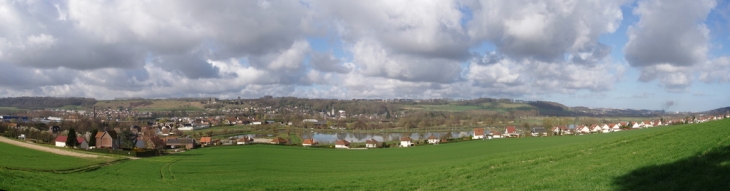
(342, 144)
(595, 128)
(615, 127)
(478, 133)
(495, 134)
(244, 140)
(371, 143)
(648, 124)
(433, 140)
(560, 130)
(278, 141)
(186, 143)
(582, 129)
(309, 142)
(538, 131)
(154, 143)
(511, 131)
(635, 125)
(605, 128)
(405, 142)
(205, 141)
(81, 142)
(256, 123)
(107, 139)
(61, 141)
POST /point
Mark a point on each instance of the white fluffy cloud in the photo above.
(665, 44)
(382, 49)
(546, 30)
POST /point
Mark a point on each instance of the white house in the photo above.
(635, 125)
(478, 133)
(405, 142)
(342, 144)
(371, 143)
(582, 129)
(61, 141)
(433, 140)
(605, 128)
(615, 127)
(594, 128)
(308, 142)
(495, 135)
(256, 123)
(244, 140)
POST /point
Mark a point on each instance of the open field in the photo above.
(151, 105)
(684, 157)
(15, 157)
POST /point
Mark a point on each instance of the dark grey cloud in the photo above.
(327, 62)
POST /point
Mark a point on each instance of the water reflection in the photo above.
(354, 137)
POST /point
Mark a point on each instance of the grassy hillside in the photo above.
(151, 105)
(687, 157)
(14, 157)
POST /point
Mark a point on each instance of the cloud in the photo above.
(382, 48)
(327, 62)
(665, 45)
(546, 30)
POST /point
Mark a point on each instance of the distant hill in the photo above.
(723, 110)
(45, 102)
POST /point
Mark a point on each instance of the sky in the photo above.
(644, 54)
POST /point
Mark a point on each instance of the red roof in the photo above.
(61, 138)
(309, 142)
(371, 141)
(432, 137)
(205, 139)
(478, 131)
(511, 129)
(405, 139)
(278, 140)
(342, 142)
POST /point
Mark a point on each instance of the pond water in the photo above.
(380, 137)
(354, 137)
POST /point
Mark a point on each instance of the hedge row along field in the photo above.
(684, 157)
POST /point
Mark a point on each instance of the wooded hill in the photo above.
(45, 102)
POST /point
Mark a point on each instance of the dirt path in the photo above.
(46, 149)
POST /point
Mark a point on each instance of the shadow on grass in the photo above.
(709, 171)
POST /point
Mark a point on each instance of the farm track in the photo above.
(73, 170)
(167, 168)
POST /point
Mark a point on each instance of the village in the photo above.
(166, 137)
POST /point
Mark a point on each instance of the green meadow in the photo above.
(683, 157)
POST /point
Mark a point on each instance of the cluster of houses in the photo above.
(512, 131)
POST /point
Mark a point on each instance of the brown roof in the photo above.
(432, 137)
(405, 139)
(496, 133)
(342, 142)
(112, 133)
(99, 134)
(244, 139)
(371, 141)
(278, 140)
(478, 131)
(511, 129)
(205, 140)
(309, 141)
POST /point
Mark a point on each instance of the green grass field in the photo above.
(14, 157)
(685, 157)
